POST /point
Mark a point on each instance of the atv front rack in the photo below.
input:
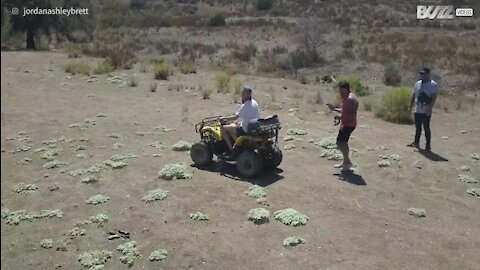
(207, 121)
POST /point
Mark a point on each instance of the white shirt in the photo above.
(430, 88)
(248, 111)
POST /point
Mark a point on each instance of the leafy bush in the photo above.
(259, 215)
(394, 107)
(73, 50)
(290, 216)
(357, 87)
(155, 195)
(188, 67)
(97, 199)
(162, 71)
(256, 192)
(130, 253)
(217, 19)
(77, 68)
(94, 259)
(392, 75)
(174, 171)
(223, 81)
(264, 4)
(103, 68)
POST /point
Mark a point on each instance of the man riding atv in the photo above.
(247, 111)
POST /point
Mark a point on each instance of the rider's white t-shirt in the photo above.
(248, 111)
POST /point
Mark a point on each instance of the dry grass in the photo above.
(77, 68)
(73, 50)
(187, 67)
(163, 71)
(153, 86)
(103, 68)
(223, 81)
(133, 80)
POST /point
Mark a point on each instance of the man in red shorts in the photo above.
(348, 122)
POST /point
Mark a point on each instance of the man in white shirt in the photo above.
(247, 111)
(424, 94)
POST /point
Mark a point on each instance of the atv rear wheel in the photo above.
(201, 154)
(272, 158)
(249, 164)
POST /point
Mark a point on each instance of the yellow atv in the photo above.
(257, 150)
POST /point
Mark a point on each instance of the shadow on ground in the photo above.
(432, 156)
(229, 170)
(351, 177)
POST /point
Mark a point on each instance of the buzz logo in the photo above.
(435, 12)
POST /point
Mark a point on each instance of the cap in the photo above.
(248, 88)
(424, 70)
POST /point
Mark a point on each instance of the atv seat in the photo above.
(264, 126)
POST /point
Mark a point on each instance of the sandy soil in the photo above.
(356, 222)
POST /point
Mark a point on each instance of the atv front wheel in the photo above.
(272, 158)
(249, 164)
(201, 154)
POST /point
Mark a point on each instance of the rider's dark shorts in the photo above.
(240, 131)
(344, 134)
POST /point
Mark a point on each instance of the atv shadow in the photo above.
(229, 170)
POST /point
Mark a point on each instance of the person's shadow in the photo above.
(229, 170)
(431, 155)
(351, 177)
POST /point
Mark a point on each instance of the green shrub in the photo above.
(103, 68)
(392, 75)
(162, 71)
(357, 87)
(217, 19)
(73, 50)
(264, 4)
(77, 68)
(188, 67)
(223, 81)
(394, 107)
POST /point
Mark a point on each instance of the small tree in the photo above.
(311, 32)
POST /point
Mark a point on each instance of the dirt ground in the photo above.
(357, 221)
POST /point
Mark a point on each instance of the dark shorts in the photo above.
(240, 131)
(344, 134)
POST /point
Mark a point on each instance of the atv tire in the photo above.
(249, 164)
(201, 154)
(272, 158)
